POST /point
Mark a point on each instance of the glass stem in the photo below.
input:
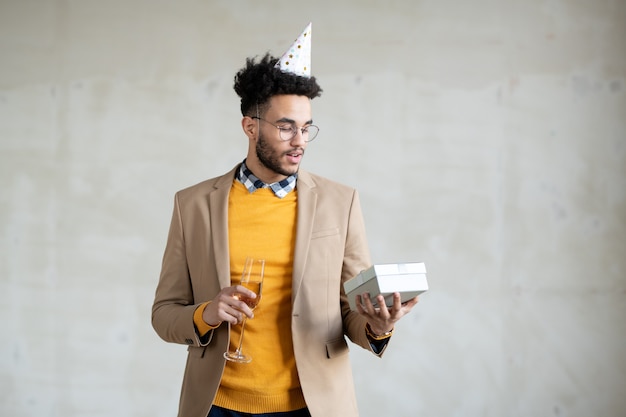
(243, 326)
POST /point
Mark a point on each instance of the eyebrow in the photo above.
(291, 121)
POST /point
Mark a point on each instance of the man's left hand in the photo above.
(382, 320)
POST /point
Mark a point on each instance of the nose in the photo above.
(298, 138)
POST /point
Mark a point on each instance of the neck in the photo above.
(263, 173)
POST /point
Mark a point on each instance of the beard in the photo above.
(269, 158)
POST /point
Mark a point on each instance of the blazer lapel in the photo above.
(307, 201)
(218, 207)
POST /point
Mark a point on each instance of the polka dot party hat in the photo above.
(297, 59)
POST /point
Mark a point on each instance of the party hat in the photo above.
(297, 59)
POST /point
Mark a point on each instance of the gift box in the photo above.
(409, 279)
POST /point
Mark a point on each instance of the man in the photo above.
(311, 233)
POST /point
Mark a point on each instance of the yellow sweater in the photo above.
(262, 225)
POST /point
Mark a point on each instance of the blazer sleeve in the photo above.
(174, 306)
(356, 259)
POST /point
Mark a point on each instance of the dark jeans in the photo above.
(223, 412)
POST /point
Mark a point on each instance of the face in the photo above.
(269, 157)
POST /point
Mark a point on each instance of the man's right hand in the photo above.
(227, 307)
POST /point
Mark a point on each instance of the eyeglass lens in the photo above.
(308, 133)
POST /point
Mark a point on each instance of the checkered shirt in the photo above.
(252, 183)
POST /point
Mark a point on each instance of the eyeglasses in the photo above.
(288, 132)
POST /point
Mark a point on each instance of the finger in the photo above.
(367, 304)
(234, 308)
(226, 295)
(241, 311)
(408, 305)
(397, 302)
(358, 300)
(241, 308)
(231, 309)
(413, 301)
(233, 297)
(383, 312)
(229, 314)
(240, 289)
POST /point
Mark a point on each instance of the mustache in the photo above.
(294, 150)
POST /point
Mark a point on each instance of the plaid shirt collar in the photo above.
(252, 183)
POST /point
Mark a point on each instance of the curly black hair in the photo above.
(257, 82)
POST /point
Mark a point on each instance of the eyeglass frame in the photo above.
(293, 128)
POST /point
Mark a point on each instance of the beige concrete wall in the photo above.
(487, 139)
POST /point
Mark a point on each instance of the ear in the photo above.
(249, 126)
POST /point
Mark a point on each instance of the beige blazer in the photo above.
(331, 247)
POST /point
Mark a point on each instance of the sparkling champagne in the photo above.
(254, 286)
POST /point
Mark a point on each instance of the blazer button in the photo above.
(189, 341)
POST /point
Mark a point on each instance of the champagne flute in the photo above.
(252, 279)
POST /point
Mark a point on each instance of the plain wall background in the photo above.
(487, 138)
